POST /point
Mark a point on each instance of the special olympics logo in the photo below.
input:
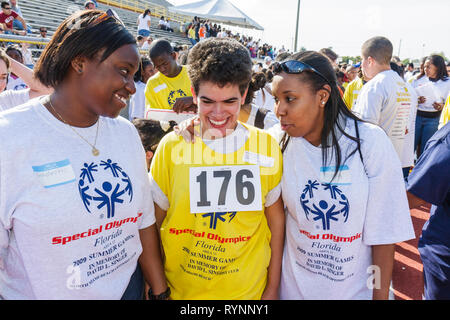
(215, 217)
(174, 95)
(336, 208)
(104, 194)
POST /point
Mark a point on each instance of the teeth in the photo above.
(218, 123)
(121, 98)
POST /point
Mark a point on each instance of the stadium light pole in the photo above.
(296, 26)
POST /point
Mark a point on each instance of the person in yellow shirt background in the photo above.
(445, 115)
(218, 200)
(353, 89)
(170, 87)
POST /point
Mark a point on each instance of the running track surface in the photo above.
(407, 276)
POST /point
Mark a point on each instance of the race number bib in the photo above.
(225, 189)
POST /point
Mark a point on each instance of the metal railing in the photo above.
(140, 6)
(22, 39)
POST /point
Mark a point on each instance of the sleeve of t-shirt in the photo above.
(430, 178)
(14, 14)
(369, 103)
(388, 218)
(159, 175)
(12, 98)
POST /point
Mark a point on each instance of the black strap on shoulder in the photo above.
(259, 117)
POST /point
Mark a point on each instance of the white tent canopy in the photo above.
(221, 11)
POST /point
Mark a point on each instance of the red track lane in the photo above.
(407, 276)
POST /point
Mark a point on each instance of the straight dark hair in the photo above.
(439, 63)
(80, 35)
(334, 108)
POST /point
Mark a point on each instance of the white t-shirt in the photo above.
(269, 120)
(386, 101)
(143, 22)
(330, 227)
(407, 157)
(69, 220)
(12, 98)
(433, 92)
(15, 83)
(137, 102)
(264, 99)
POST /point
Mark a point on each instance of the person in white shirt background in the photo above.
(137, 101)
(144, 22)
(342, 187)
(429, 109)
(11, 98)
(385, 100)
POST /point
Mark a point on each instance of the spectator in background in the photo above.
(351, 72)
(170, 88)
(144, 22)
(14, 82)
(137, 101)
(429, 112)
(409, 73)
(7, 18)
(27, 55)
(16, 23)
(147, 44)
(448, 67)
(379, 101)
(331, 55)
(140, 40)
(167, 24)
(42, 35)
(162, 23)
(89, 5)
(12, 98)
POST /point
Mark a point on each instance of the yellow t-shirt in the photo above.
(352, 91)
(445, 115)
(216, 255)
(161, 92)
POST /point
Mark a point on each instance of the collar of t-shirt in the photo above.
(231, 143)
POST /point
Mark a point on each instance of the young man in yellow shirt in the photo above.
(218, 200)
(170, 88)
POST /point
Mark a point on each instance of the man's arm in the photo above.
(414, 201)
(275, 220)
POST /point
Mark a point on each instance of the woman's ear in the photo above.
(323, 95)
(78, 64)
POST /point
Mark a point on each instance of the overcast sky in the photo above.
(415, 27)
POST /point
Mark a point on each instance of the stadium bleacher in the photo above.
(50, 13)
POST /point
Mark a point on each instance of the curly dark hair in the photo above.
(258, 82)
(221, 61)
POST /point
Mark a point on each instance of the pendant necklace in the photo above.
(95, 151)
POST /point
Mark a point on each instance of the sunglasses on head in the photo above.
(110, 13)
(295, 67)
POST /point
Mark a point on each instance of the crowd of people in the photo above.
(291, 178)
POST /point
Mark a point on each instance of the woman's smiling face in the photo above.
(109, 84)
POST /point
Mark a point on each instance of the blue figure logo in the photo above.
(106, 193)
(324, 210)
(174, 95)
(214, 217)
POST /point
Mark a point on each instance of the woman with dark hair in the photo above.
(137, 101)
(76, 218)
(429, 110)
(342, 186)
(144, 22)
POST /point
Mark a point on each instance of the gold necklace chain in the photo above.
(95, 151)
